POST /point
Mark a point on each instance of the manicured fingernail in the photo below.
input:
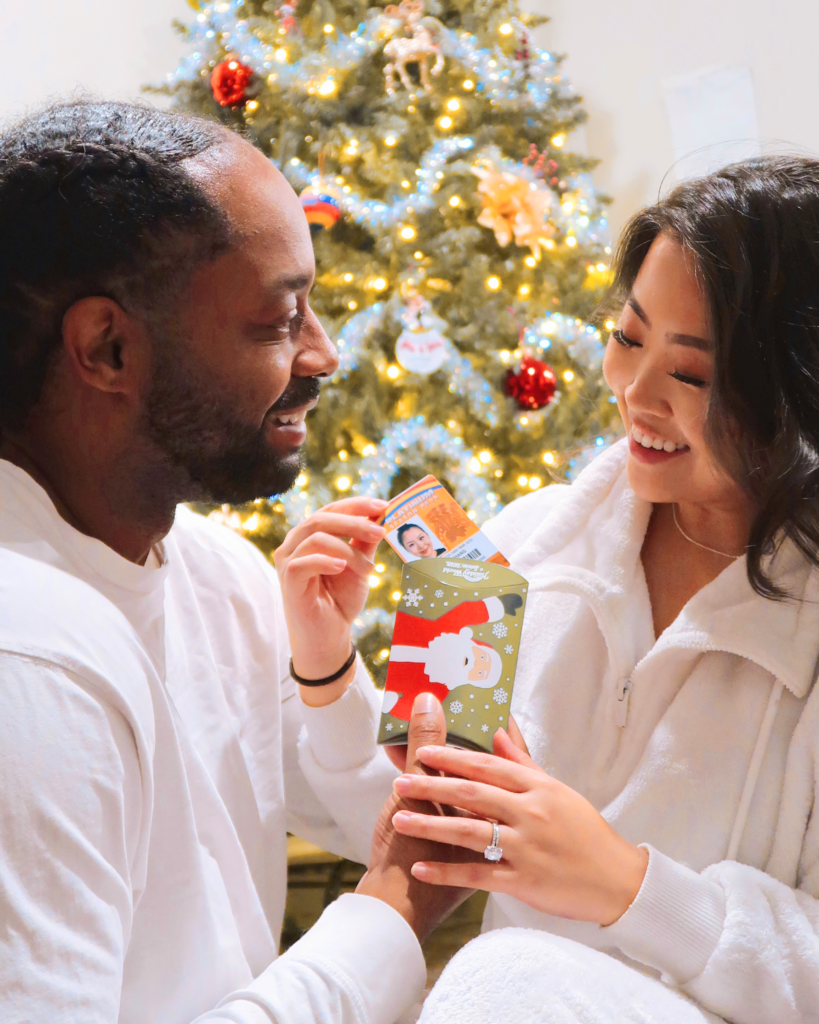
(424, 704)
(339, 563)
(402, 784)
(401, 817)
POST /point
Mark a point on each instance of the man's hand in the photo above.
(511, 603)
(324, 566)
(392, 856)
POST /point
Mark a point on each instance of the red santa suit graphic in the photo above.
(436, 655)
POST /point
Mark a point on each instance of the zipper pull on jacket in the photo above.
(621, 707)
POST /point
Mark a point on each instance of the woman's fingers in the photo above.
(486, 801)
(505, 747)
(495, 771)
(470, 833)
(474, 875)
(516, 736)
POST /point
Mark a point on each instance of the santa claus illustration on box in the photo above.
(436, 655)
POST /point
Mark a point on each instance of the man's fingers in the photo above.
(357, 506)
(302, 571)
(331, 523)
(427, 728)
(397, 753)
(325, 544)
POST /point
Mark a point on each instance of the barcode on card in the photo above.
(474, 553)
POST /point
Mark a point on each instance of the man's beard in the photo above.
(217, 456)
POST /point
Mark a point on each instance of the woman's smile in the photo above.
(651, 448)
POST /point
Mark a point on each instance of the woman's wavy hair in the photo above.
(753, 230)
(94, 200)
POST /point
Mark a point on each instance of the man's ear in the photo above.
(105, 346)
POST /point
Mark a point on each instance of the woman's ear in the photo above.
(105, 346)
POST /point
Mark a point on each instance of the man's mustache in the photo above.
(298, 392)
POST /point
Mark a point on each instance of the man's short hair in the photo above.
(94, 200)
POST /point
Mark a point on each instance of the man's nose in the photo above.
(317, 355)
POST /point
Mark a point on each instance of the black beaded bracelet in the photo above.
(328, 679)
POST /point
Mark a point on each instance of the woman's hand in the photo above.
(559, 854)
(397, 753)
(324, 566)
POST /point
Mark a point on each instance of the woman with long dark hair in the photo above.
(661, 837)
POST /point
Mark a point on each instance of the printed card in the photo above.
(425, 521)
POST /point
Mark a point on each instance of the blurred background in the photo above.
(621, 59)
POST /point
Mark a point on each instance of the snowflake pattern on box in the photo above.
(439, 594)
(500, 696)
(456, 707)
(509, 649)
(388, 726)
(500, 629)
(412, 598)
(484, 728)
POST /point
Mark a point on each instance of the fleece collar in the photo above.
(590, 543)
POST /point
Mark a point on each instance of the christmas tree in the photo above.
(461, 250)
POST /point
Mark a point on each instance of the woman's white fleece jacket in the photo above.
(701, 744)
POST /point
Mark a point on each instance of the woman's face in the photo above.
(659, 363)
(418, 543)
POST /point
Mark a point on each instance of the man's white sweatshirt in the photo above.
(153, 754)
(702, 744)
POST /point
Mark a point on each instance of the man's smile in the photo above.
(288, 425)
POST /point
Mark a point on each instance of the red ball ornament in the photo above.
(533, 386)
(229, 82)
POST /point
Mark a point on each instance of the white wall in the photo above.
(619, 52)
(111, 47)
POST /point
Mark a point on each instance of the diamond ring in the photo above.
(493, 851)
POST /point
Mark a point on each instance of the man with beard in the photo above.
(156, 739)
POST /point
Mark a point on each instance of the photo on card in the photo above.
(416, 540)
(425, 521)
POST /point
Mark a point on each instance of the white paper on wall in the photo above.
(713, 119)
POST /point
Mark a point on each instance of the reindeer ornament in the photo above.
(420, 42)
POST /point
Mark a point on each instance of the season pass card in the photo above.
(425, 521)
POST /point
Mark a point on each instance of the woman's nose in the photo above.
(644, 393)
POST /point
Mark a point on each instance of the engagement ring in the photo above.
(493, 851)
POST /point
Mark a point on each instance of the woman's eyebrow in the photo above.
(638, 309)
(690, 341)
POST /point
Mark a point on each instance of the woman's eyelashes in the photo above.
(694, 382)
(683, 378)
(621, 339)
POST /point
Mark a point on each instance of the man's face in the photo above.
(231, 387)
(481, 665)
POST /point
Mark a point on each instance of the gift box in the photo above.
(457, 635)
